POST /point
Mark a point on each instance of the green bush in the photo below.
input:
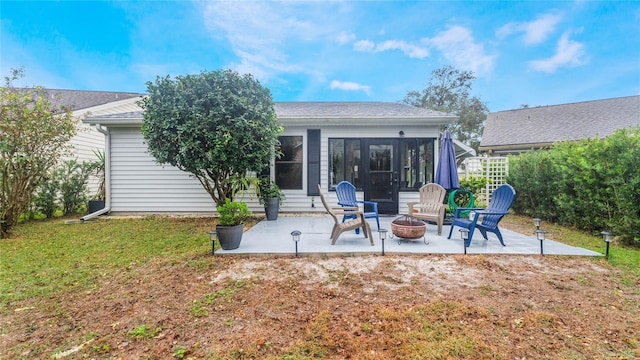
(233, 213)
(473, 184)
(592, 184)
(73, 177)
(46, 198)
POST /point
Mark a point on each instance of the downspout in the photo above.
(107, 175)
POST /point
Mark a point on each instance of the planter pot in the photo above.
(95, 205)
(229, 236)
(271, 208)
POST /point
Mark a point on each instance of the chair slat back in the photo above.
(326, 206)
(501, 200)
(346, 193)
(431, 197)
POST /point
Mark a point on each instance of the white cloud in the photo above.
(364, 45)
(350, 86)
(459, 47)
(259, 33)
(344, 38)
(568, 54)
(411, 50)
(534, 32)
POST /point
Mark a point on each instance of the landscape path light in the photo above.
(607, 236)
(536, 222)
(464, 234)
(213, 235)
(383, 236)
(295, 236)
(541, 235)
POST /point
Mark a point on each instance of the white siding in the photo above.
(140, 185)
(88, 139)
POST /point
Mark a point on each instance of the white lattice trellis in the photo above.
(494, 169)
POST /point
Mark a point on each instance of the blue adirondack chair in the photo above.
(501, 200)
(346, 193)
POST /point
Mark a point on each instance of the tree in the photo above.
(448, 91)
(34, 134)
(217, 125)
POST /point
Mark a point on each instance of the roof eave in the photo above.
(302, 121)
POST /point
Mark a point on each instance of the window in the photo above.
(416, 161)
(415, 166)
(289, 166)
(344, 162)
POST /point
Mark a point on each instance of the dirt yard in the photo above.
(369, 307)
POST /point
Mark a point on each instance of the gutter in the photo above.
(107, 175)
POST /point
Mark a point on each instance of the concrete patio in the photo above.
(274, 238)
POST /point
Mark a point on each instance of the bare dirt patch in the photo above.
(369, 307)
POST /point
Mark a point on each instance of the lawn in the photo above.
(149, 288)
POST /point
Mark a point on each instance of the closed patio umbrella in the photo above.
(447, 171)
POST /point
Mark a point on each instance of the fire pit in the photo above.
(408, 227)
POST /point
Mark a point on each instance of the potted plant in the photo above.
(229, 229)
(270, 196)
(98, 167)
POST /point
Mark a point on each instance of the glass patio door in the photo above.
(381, 175)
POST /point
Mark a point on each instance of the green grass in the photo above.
(623, 257)
(46, 257)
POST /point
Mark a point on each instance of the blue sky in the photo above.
(533, 52)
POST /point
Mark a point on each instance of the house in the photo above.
(387, 150)
(515, 131)
(91, 103)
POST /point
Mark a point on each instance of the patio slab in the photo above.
(274, 238)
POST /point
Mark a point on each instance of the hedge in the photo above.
(592, 184)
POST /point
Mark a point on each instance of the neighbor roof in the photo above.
(83, 99)
(524, 129)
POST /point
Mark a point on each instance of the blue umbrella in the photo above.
(447, 171)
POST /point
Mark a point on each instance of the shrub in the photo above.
(591, 184)
(73, 177)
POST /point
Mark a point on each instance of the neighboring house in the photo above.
(91, 103)
(515, 131)
(387, 150)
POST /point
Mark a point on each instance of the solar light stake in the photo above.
(607, 236)
(536, 222)
(464, 233)
(295, 235)
(541, 234)
(383, 235)
(213, 235)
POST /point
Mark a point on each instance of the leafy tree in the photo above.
(217, 125)
(448, 91)
(34, 134)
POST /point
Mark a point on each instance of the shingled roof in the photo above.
(536, 127)
(312, 112)
(353, 109)
(83, 99)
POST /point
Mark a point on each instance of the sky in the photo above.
(530, 53)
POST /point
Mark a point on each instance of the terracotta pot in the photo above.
(408, 228)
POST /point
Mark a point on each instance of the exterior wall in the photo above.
(88, 139)
(140, 185)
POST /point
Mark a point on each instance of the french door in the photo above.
(381, 164)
